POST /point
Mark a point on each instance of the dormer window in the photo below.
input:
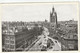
(70, 26)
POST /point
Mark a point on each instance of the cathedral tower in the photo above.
(53, 18)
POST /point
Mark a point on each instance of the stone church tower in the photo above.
(53, 18)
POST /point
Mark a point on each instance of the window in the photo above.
(71, 46)
(7, 37)
(75, 36)
(12, 46)
(71, 42)
(70, 26)
(7, 41)
(12, 38)
(6, 46)
(12, 42)
(65, 24)
(52, 26)
(68, 36)
(71, 36)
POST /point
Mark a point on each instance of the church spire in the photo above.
(53, 16)
(53, 9)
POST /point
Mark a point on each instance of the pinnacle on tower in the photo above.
(53, 9)
(50, 14)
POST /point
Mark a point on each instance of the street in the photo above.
(55, 46)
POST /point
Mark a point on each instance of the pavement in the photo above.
(56, 47)
(36, 47)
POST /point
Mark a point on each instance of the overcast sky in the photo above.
(38, 12)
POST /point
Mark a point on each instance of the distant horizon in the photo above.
(35, 21)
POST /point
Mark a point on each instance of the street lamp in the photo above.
(61, 42)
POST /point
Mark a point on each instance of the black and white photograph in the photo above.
(39, 27)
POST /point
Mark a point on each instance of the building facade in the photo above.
(68, 35)
(17, 41)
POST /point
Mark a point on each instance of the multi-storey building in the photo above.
(68, 35)
(14, 40)
(17, 40)
(9, 40)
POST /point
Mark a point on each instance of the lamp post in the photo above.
(61, 43)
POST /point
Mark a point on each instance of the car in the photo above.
(50, 47)
(56, 41)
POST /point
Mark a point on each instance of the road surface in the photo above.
(38, 45)
(55, 47)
